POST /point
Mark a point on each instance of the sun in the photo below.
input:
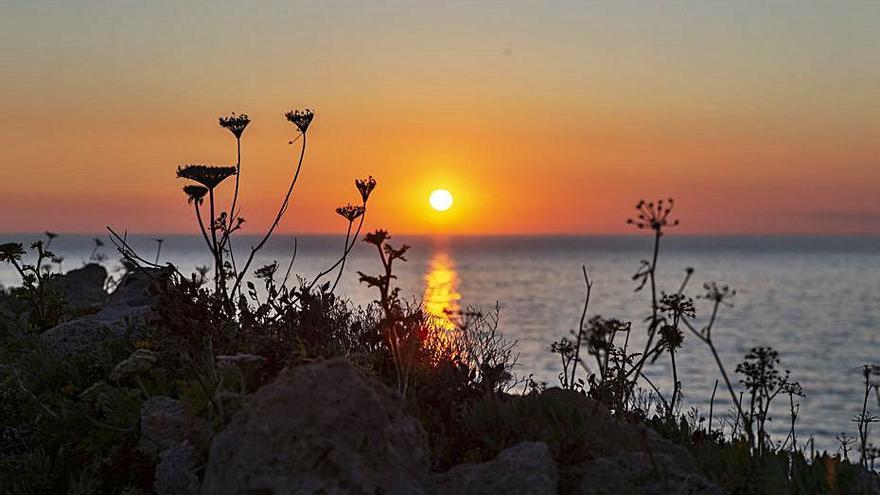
(440, 199)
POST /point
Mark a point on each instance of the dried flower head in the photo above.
(718, 293)
(11, 252)
(300, 118)
(677, 305)
(266, 272)
(760, 370)
(140, 360)
(377, 237)
(793, 388)
(654, 216)
(600, 333)
(205, 175)
(235, 123)
(671, 337)
(350, 212)
(365, 186)
(195, 194)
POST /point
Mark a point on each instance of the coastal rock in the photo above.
(165, 423)
(608, 436)
(175, 473)
(320, 428)
(527, 468)
(82, 288)
(866, 481)
(642, 473)
(126, 311)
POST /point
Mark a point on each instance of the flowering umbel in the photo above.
(377, 237)
(235, 123)
(195, 194)
(11, 251)
(671, 338)
(205, 175)
(677, 305)
(350, 212)
(720, 294)
(653, 215)
(300, 118)
(365, 186)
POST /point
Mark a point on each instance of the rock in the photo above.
(610, 437)
(137, 288)
(320, 428)
(865, 481)
(175, 473)
(126, 311)
(642, 473)
(82, 288)
(165, 423)
(526, 468)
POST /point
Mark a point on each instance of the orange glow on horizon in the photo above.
(534, 126)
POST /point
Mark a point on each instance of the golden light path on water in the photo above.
(441, 299)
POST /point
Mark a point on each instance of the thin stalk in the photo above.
(202, 225)
(706, 338)
(652, 328)
(863, 419)
(290, 265)
(217, 268)
(232, 213)
(577, 347)
(675, 384)
(348, 246)
(712, 405)
(793, 420)
(158, 249)
(345, 252)
(277, 220)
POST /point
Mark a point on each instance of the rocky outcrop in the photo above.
(165, 423)
(320, 428)
(642, 473)
(527, 468)
(608, 437)
(126, 311)
(82, 288)
(176, 471)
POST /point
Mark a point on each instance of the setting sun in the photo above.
(440, 199)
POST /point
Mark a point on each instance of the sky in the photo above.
(539, 117)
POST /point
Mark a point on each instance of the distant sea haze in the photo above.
(816, 299)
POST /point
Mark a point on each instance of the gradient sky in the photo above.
(539, 117)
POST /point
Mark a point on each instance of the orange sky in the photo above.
(755, 118)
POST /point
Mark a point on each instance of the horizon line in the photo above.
(472, 234)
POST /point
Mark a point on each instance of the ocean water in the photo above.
(814, 299)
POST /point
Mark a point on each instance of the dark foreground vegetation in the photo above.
(238, 379)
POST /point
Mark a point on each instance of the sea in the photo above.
(814, 299)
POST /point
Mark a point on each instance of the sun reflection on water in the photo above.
(441, 299)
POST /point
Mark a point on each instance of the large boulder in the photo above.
(642, 473)
(128, 308)
(527, 468)
(320, 428)
(82, 288)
